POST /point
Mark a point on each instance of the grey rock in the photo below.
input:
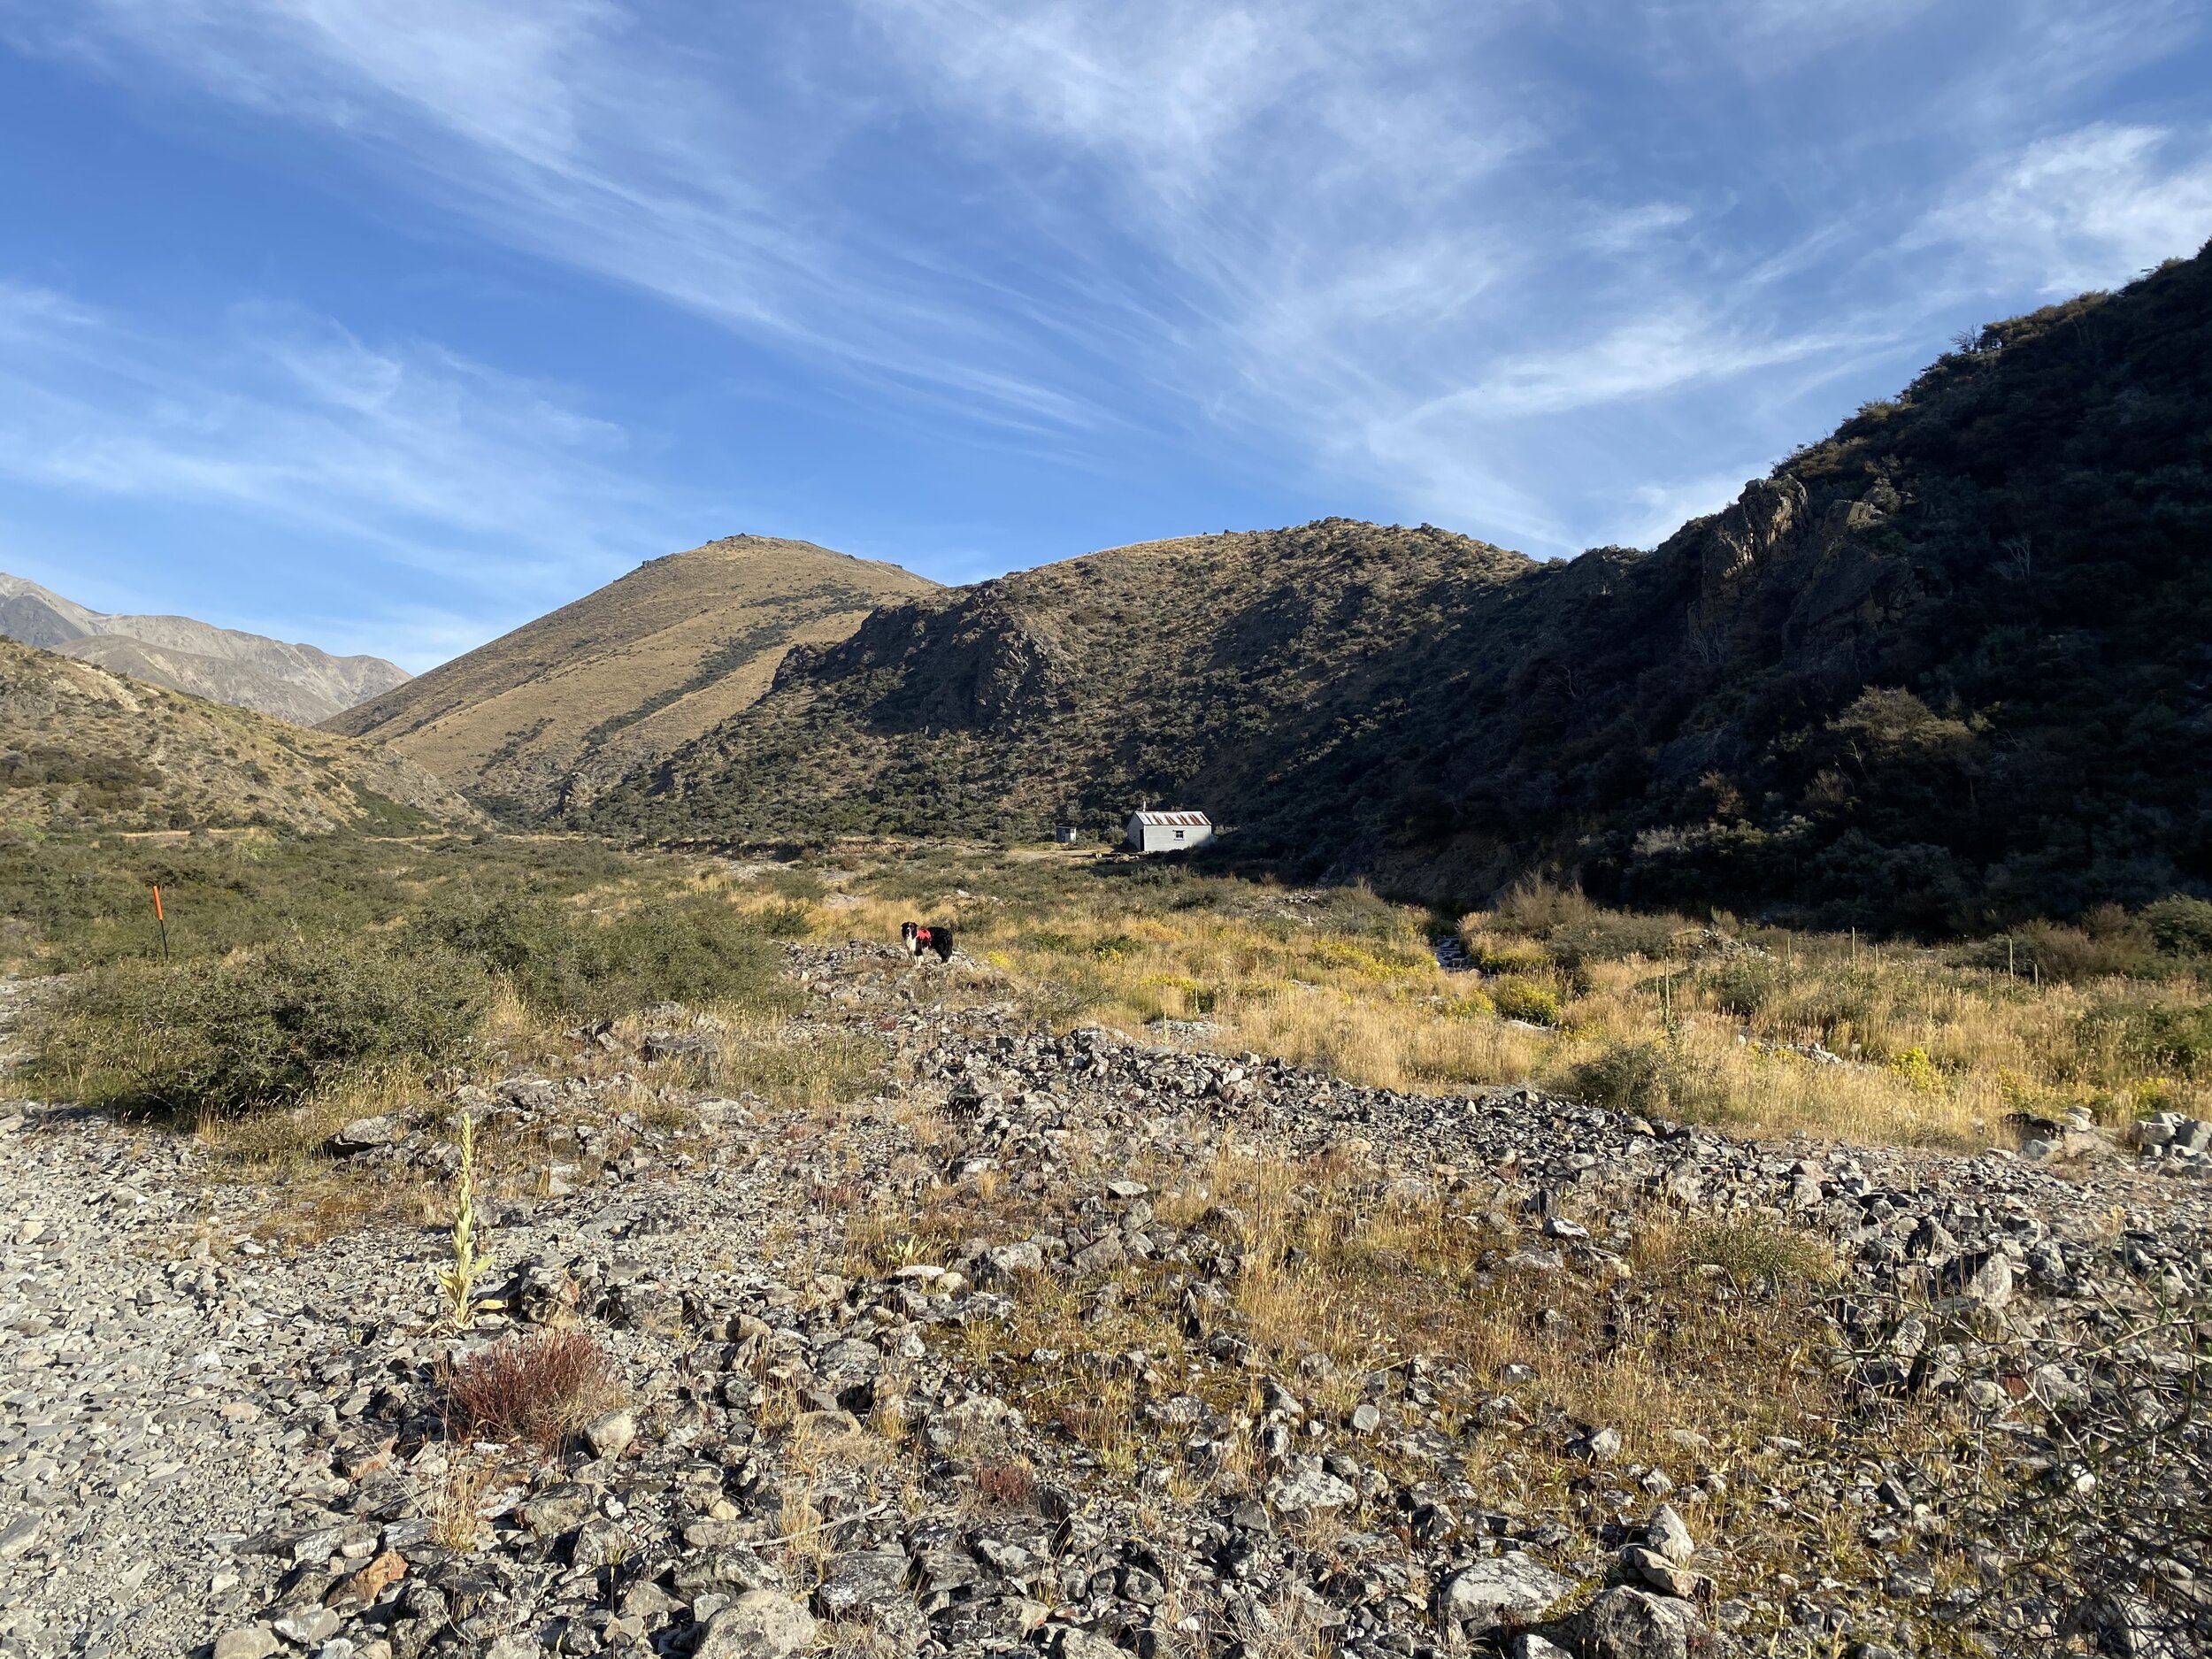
(1981, 1277)
(1308, 1490)
(365, 1134)
(610, 1435)
(859, 1580)
(557, 1509)
(248, 1642)
(1600, 1446)
(737, 1570)
(1669, 1534)
(1626, 1624)
(1071, 1641)
(19, 1534)
(308, 1625)
(758, 1625)
(1003, 1261)
(1509, 1586)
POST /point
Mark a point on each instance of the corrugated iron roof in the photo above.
(1185, 820)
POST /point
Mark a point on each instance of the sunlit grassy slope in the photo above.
(1756, 1029)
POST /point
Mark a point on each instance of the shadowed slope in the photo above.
(1951, 665)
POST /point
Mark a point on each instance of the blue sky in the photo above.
(389, 324)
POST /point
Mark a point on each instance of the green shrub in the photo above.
(784, 921)
(267, 1029)
(1760, 1252)
(2181, 926)
(1523, 959)
(1648, 1077)
(1518, 998)
(2163, 1038)
(695, 949)
(1612, 935)
(1629, 1077)
(2108, 941)
(1741, 987)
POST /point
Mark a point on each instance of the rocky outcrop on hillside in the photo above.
(978, 1367)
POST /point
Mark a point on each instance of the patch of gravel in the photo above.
(205, 1442)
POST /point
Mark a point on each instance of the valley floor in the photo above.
(1062, 1343)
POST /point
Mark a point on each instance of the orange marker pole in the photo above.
(163, 921)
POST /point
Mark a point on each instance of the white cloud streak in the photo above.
(1398, 242)
(406, 453)
(2084, 209)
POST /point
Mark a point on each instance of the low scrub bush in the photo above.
(266, 1029)
(1651, 1078)
(2108, 941)
(571, 965)
(1742, 987)
(1614, 936)
(1518, 998)
(2181, 926)
(2164, 1037)
(537, 1388)
(1760, 1254)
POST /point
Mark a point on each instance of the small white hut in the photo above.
(1151, 831)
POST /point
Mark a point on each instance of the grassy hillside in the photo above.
(544, 717)
(1946, 668)
(84, 750)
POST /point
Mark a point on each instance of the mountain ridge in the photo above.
(1939, 668)
(536, 722)
(296, 682)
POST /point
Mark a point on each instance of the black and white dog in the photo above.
(917, 939)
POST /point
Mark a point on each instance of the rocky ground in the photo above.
(978, 1364)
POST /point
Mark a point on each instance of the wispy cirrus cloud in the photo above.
(2081, 209)
(1527, 268)
(491, 490)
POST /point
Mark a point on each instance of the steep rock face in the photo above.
(541, 720)
(293, 682)
(1951, 665)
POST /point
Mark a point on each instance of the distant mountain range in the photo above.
(293, 682)
(538, 723)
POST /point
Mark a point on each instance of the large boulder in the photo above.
(759, 1624)
(1505, 1589)
(1634, 1624)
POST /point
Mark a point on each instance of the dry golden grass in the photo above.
(1936, 1050)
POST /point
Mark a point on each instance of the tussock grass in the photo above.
(1341, 1274)
(1707, 1020)
(538, 1387)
